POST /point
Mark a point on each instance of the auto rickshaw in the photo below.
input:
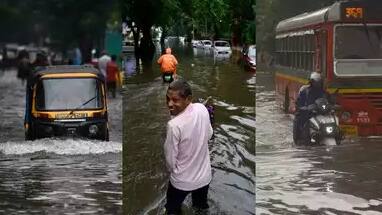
(66, 101)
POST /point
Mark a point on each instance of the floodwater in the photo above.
(343, 179)
(52, 176)
(232, 151)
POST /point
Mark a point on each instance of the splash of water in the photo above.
(60, 147)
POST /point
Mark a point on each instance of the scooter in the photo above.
(322, 128)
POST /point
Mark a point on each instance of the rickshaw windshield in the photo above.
(69, 94)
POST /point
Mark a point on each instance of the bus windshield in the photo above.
(68, 94)
(358, 42)
(358, 50)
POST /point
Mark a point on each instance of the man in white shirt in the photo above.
(186, 149)
(102, 62)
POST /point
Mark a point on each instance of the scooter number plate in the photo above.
(326, 120)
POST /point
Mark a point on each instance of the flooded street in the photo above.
(232, 190)
(52, 176)
(343, 179)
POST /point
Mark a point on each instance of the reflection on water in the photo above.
(232, 190)
(53, 176)
(318, 180)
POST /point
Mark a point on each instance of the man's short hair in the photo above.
(182, 86)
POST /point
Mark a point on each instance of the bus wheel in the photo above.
(286, 101)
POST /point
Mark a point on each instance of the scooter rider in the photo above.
(306, 97)
(168, 65)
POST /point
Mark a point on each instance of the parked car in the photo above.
(207, 44)
(198, 44)
(221, 48)
(195, 43)
(249, 58)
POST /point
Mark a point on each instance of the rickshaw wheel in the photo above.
(30, 135)
(107, 135)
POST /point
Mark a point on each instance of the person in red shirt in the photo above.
(112, 75)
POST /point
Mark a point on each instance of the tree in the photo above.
(78, 23)
(68, 23)
(141, 16)
(193, 18)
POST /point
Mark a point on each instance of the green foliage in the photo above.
(204, 18)
(67, 22)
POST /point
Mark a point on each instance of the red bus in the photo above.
(343, 42)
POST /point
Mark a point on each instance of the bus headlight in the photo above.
(93, 129)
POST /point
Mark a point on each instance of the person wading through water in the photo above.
(168, 65)
(186, 149)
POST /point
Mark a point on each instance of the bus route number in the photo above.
(354, 12)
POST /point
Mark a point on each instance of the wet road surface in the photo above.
(232, 190)
(343, 179)
(52, 176)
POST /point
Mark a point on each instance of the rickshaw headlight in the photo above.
(93, 129)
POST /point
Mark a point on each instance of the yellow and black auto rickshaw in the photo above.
(66, 101)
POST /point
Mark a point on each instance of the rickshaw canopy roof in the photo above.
(67, 69)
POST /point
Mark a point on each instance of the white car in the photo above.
(207, 44)
(195, 43)
(221, 48)
(198, 44)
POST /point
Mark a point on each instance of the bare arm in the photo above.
(160, 60)
(175, 61)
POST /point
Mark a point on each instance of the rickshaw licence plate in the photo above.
(72, 131)
(349, 130)
(71, 116)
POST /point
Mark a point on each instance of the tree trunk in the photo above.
(136, 46)
(85, 45)
(163, 36)
(147, 47)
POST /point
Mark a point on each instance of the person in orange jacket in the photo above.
(168, 65)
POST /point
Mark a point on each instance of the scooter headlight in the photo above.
(93, 129)
(329, 129)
